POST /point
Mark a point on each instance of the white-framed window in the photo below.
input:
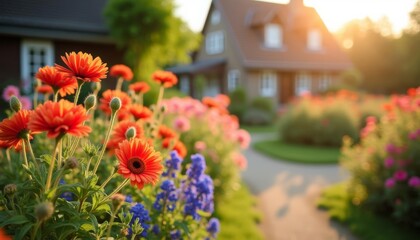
(215, 42)
(302, 84)
(33, 55)
(184, 84)
(233, 79)
(324, 82)
(273, 36)
(268, 84)
(215, 17)
(314, 41)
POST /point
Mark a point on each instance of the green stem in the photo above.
(108, 134)
(111, 221)
(9, 159)
(25, 158)
(30, 148)
(108, 179)
(88, 166)
(35, 99)
(115, 191)
(35, 230)
(119, 84)
(161, 90)
(76, 97)
(141, 99)
(51, 168)
(56, 96)
(60, 153)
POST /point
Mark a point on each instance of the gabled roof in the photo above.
(60, 19)
(245, 20)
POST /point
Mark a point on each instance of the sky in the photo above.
(335, 13)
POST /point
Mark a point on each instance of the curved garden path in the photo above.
(287, 194)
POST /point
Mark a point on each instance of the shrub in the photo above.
(385, 165)
(259, 112)
(238, 104)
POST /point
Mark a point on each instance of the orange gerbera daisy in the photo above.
(167, 79)
(139, 162)
(140, 87)
(108, 95)
(82, 66)
(179, 147)
(13, 131)
(59, 118)
(45, 89)
(57, 80)
(120, 129)
(140, 112)
(166, 132)
(121, 70)
(210, 102)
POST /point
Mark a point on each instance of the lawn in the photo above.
(362, 223)
(297, 153)
(238, 216)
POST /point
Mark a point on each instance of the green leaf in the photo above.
(87, 227)
(183, 226)
(15, 220)
(22, 231)
(203, 213)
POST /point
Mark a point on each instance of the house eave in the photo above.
(297, 66)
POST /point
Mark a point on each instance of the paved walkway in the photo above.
(287, 195)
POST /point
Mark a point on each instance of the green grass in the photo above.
(260, 129)
(298, 153)
(238, 216)
(361, 222)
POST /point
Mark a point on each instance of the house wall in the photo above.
(10, 61)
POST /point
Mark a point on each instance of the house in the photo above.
(268, 49)
(37, 33)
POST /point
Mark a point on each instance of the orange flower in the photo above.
(3, 235)
(59, 118)
(166, 132)
(45, 89)
(140, 112)
(120, 129)
(210, 102)
(139, 162)
(179, 147)
(108, 95)
(57, 80)
(14, 130)
(140, 87)
(121, 70)
(167, 79)
(82, 66)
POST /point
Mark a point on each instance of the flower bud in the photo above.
(44, 211)
(37, 83)
(90, 102)
(130, 133)
(10, 189)
(96, 86)
(15, 104)
(162, 109)
(115, 104)
(125, 232)
(117, 200)
(71, 163)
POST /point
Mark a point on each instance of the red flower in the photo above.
(3, 235)
(45, 89)
(108, 95)
(59, 118)
(82, 66)
(121, 70)
(140, 87)
(14, 130)
(166, 132)
(179, 147)
(167, 79)
(120, 129)
(210, 102)
(139, 162)
(57, 80)
(140, 112)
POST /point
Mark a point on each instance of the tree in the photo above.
(149, 32)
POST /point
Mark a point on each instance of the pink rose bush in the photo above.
(385, 164)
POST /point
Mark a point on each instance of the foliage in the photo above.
(238, 103)
(298, 153)
(362, 222)
(149, 32)
(384, 166)
(324, 120)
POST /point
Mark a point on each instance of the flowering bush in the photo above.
(324, 120)
(385, 165)
(65, 169)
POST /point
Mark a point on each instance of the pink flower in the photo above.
(26, 103)
(389, 161)
(390, 183)
(414, 182)
(400, 175)
(243, 138)
(240, 161)
(182, 124)
(10, 91)
(200, 146)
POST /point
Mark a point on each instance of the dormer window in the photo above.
(314, 40)
(215, 42)
(273, 36)
(215, 17)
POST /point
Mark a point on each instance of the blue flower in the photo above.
(141, 213)
(173, 165)
(167, 196)
(198, 165)
(66, 195)
(175, 235)
(213, 227)
(129, 198)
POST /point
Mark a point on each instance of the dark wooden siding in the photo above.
(9, 61)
